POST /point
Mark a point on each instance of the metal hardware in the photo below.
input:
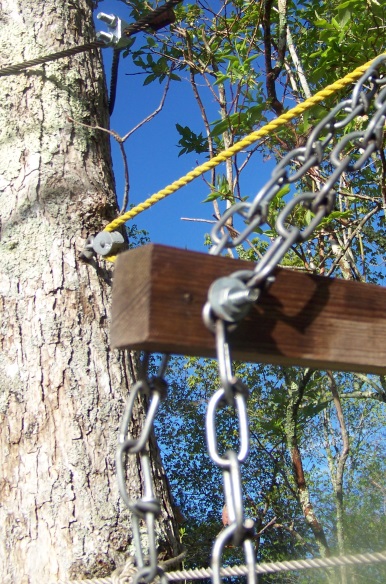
(234, 393)
(148, 508)
(109, 19)
(230, 298)
(107, 242)
(293, 167)
(229, 382)
(88, 250)
(217, 401)
(104, 244)
(116, 26)
(222, 240)
(240, 531)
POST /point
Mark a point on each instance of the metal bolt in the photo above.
(106, 37)
(243, 296)
(230, 299)
(106, 243)
(109, 19)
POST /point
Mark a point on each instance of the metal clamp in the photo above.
(117, 27)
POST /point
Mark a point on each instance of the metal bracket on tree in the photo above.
(117, 27)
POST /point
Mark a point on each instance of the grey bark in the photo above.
(62, 389)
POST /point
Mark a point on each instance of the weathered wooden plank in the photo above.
(159, 292)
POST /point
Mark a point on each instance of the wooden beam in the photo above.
(159, 292)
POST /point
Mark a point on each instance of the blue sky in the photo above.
(153, 153)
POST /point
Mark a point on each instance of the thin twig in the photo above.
(212, 221)
(269, 524)
(125, 201)
(119, 140)
(207, 129)
(352, 236)
(154, 113)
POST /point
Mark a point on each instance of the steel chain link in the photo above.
(295, 165)
(228, 302)
(240, 531)
(148, 507)
(229, 298)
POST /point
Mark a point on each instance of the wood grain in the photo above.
(159, 293)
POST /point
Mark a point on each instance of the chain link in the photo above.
(148, 507)
(241, 288)
(240, 531)
(230, 297)
(295, 165)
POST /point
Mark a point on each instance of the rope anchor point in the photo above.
(106, 243)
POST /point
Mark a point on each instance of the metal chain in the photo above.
(148, 507)
(230, 300)
(240, 531)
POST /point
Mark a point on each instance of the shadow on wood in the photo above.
(159, 293)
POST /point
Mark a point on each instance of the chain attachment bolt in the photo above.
(231, 299)
(109, 19)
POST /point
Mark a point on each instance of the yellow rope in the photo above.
(247, 141)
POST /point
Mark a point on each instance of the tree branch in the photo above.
(154, 113)
(271, 73)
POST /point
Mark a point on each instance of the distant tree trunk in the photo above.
(295, 393)
(62, 389)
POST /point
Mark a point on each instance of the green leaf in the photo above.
(219, 128)
(220, 78)
(283, 191)
(212, 197)
(181, 130)
(250, 59)
(347, 4)
(149, 79)
(323, 24)
(335, 23)
(308, 216)
(191, 142)
(344, 17)
(311, 410)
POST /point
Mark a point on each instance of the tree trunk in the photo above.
(295, 393)
(62, 390)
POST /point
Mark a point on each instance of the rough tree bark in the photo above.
(61, 388)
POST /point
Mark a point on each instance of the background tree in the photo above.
(253, 61)
(310, 480)
(61, 388)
